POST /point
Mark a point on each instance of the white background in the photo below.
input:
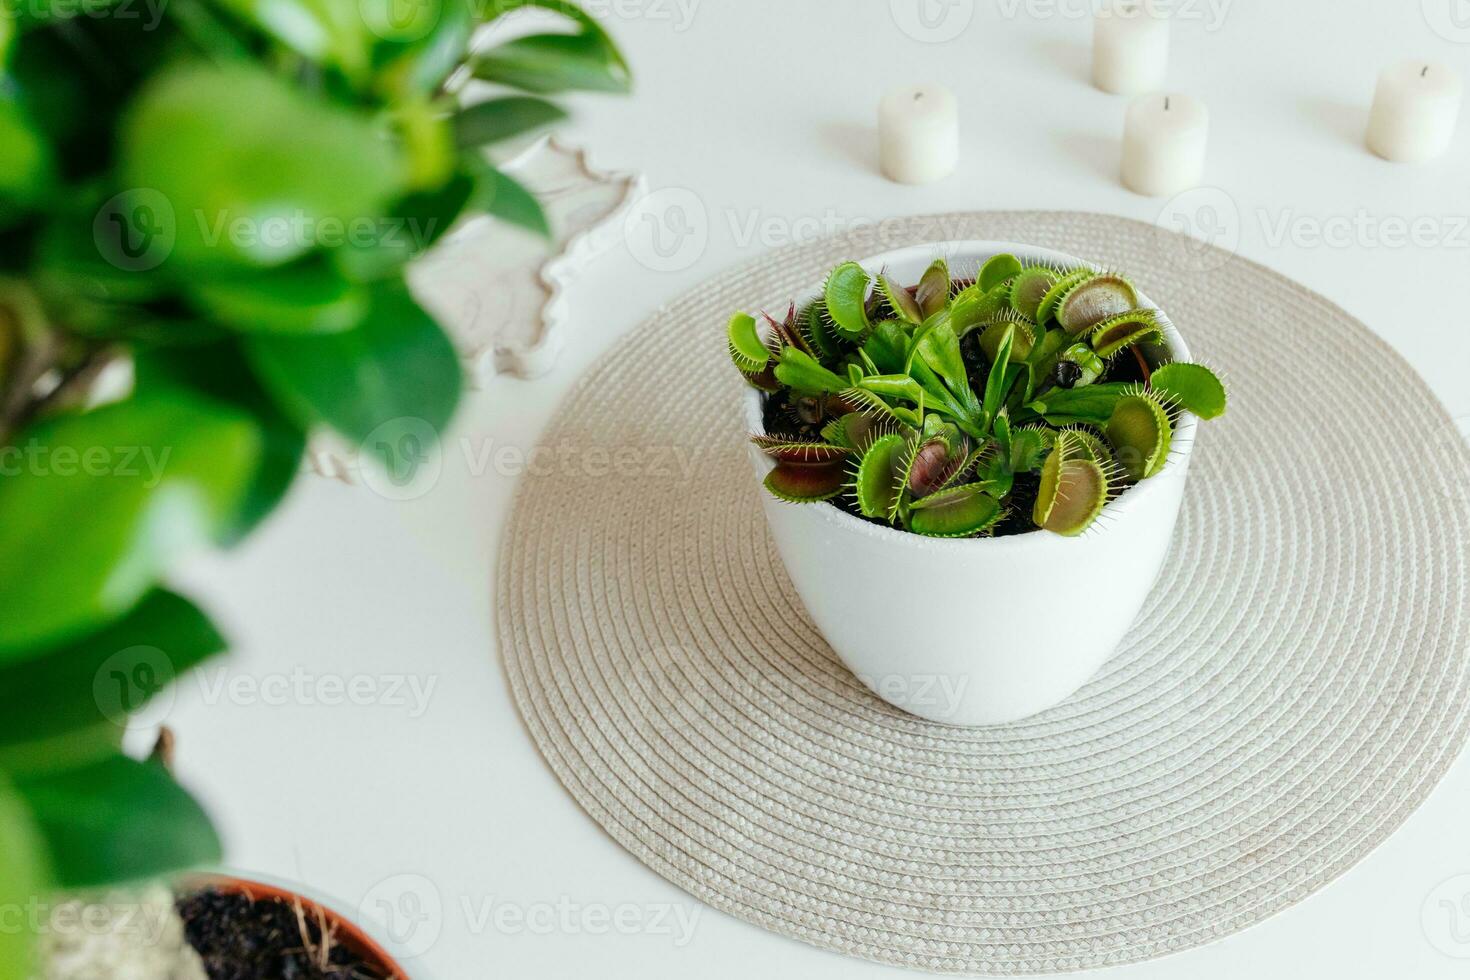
(763, 110)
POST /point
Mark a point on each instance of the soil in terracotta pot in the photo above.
(805, 420)
(239, 938)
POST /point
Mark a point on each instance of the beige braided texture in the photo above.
(1294, 689)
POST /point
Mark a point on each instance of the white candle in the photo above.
(1414, 111)
(1164, 140)
(1130, 48)
(918, 134)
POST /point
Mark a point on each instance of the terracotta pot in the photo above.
(345, 931)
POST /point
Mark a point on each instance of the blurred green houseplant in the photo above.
(226, 193)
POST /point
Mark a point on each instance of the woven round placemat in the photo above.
(1295, 687)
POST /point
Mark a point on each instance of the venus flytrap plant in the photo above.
(1025, 396)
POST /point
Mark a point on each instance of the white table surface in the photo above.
(762, 110)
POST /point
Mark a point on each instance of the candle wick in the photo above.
(918, 96)
(1425, 72)
(1166, 103)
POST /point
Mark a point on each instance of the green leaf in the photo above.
(503, 197)
(958, 512)
(417, 220)
(250, 168)
(387, 378)
(1112, 335)
(933, 291)
(1047, 350)
(26, 165)
(1028, 448)
(1048, 305)
(57, 753)
(1029, 288)
(1093, 403)
(893, 386)
(887, 347)
(417, 62)
(322, 30)
(308, 296)
(99, 678)
(405, 22)
(26, 882)
(1022, 334)
(1094, 300)
(806, 452)
(1088, 362)
(208, 28)
(1140, 432)
(216, 372)
(973, 307)
(550, 63)
(822, 334)
(856, 430)
(798, 484)
(117, 820)
(940, 349)
(1193, 387)
(1073, 493)
(997, 270)
(501, 119)
(995, 382)
(747, 349)
(847, 297)
(133, 484)
(799, 370)
(878, 475)
(900, 301)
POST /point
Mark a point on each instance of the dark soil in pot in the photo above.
(243, 937)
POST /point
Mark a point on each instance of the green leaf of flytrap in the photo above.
(1193, 387)
(799, 370)
(1093, 300)
(900, 301)
(805, 484)
(933, 292)
(997, 270)
(939, 450)
(1140, 432)
(846, 293)
(1046, 309)
(879, 474)
(1124, 330)
(959, 512)
(1029, 287)
(747, 349)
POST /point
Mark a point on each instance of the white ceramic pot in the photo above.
(985, 630)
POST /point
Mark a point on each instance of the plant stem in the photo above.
(24, 408)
